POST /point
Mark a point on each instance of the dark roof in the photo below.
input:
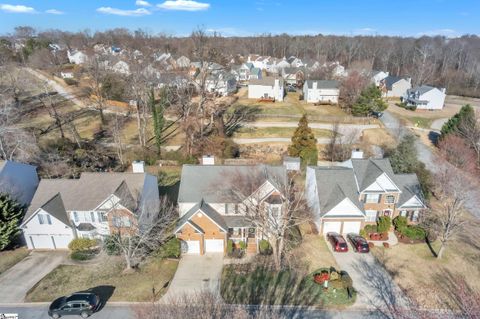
(410, 187)
(237, 221)
(54, 207)
(207, 210)
(85, 227)
(421, 89)
(322, 84)
(269, 80)
(274, 199)
(368, 170)
(390, 80)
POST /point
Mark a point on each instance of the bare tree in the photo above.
(151, 227)
(116, 129)
(469, 130)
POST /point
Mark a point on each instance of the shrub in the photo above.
(363, 233)
(242, 245)
(81, 255)
(334, 276)
(384, 223)
(110, 246)
(229, 246)
(264, 246)
(82, 244)
(400, 222)
(171, 249)
(414, 232)
(370, 228)
(70, 81)
(347, 281)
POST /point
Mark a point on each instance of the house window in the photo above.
(41, 220)
(92, 216)
(389, 199)
(75, 216)
(371, 216)
(102, 217)
(372, 198)
(403, 213)
(415, 216)
(49, 220)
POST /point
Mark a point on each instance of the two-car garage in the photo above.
(341, 227)
(47, 241)
(211, 246)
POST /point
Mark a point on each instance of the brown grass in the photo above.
(314, 252)
(378, 136)
(136, 286)
(9, 258)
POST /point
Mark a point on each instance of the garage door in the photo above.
(214, 245)
(331, 227)
(41, 242)
(193, 246)
(351, 227)
(62, 241)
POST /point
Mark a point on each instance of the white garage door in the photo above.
(62, 241)
(331, 227)
(41, 242)
(214, 245)
(193, 246)
(351, 227)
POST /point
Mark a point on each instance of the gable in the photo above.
(381, 184)
(33, 220)
(345, 208)
(413, 202)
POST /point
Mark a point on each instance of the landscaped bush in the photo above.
(242, 245)
(110, 246)
(363, 233)
(82, 244)
(82, 255)
(370, 229)
(414, 232)
(400, 222)
(229, 246)
(171, 249)
(265, 248)
(384, 223)
(347, 281)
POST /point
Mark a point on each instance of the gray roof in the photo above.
(421, 89)
(368, 170)
(410, 187)
(237, 221)
(390, 80)
(85, 227)
(256, 71)
(89, 191)
(334, 184)
(269, 80)
(207, 210)
(55, 208)
(323, 84)
(210, 182)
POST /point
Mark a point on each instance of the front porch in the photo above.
(248, 235)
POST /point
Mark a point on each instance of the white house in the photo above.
(222, 83)
(266, 88)
(183, 62)
(18, 180)
(255, 74)
(378, 76)
(295, 62)
(315, 91)
(425, 97)
(121, 67)
(77, 57)
(395, 86)
(95, 205)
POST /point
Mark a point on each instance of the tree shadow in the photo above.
(104, 293)
(430, 247)
(433, 136)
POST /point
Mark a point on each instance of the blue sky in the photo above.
(246, 17)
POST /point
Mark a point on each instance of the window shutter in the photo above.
(49, 220)
(40, 219)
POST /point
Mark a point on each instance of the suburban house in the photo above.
(255, 74)
(315, 91)
(293, 76)
(221, 83)
(295, 62)
(77, 57)
(183, 62)
(211, 211)
(425, 97)
(378, 76)
(268, 88)
(346, 197)
(18, 180)
(93, 206)
(395, 86)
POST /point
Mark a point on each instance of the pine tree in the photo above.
(10, 215)
(466, 113)
(304, 143)
(370, 100)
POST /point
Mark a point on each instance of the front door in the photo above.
(387, 212)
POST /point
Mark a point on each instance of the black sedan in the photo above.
(359, 243)
(82, 304)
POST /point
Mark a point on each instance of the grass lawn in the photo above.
(249, 284)
(378, 136)
(421, 275)
(253, 132)
(9, 258)
(314, 252)
(137, 286)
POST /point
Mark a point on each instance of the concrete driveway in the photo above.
(375, 287)
(15, 282)
(196, 273)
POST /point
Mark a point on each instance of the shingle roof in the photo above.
(55, 207)
(422, 89)
(368, 170)
(323, 84)
(209, 182)
(237, 221)
(269, 80)
(87, 192)
(410, 187)
(207, 210)
(390, 80)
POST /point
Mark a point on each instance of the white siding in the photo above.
(321, 95)
(57, 228)
(311, 195)
(413, 202)
(399, 88)
(259, 91)
(345, 207)
(435, 98)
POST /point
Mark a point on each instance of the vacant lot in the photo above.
(137, 286)
(8, 258)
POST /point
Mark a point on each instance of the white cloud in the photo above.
(142, 3)
(184, 5)
(125, 13)
(227, 31)
(54, 11)
(16, 8)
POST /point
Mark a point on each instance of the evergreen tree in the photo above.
(304, 143)
(158, 110)
(370, 100)
(466, 113)
(10, 216)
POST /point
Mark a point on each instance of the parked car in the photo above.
(376, 114)
(339, 243)
(359, 243)
(82, 304)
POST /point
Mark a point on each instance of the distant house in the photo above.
(244, 71)
(283, 64)
(18, 180)
(183, 62)
(315, 91)
(66, 75)
(293, 76)
(93, 206)
(222, 83)
(338, 70)
(77, 57)
(425, 97)
(295, 62)
(271, 88)
(395, 86)
(255, 74)
(121, 67)
(378, 76)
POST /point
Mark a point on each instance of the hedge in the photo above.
(171, 249)
(82, 244)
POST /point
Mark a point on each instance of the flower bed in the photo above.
(378, 236)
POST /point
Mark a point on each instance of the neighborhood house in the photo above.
(346, 197)
(268, 88)
(315, 91)
(425, 98)
(395, 86)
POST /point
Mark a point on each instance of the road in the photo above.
(315, 125)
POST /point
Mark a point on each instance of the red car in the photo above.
(339, 243)
(359, 243)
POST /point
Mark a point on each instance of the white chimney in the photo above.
(277, 83)
(138, 166)
(315, 85)
(208, 160)
(357, 154)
